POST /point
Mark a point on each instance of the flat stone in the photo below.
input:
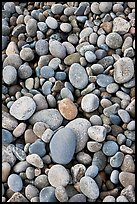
(21, 166)
(15, 182)
(24, 71)
(27, 54)
(31, 27)
(113, 109)
(66, 93)
(97, 133)
(90, 102)
(13, 60)
(78, 76)
(35, 160)
(92, 171)
(51, 22)
(127, 178)
(85, 32)
(97, 69)
(57, 8)
(123, 70)
(40, 101)
(23, 108)
(12, 48)
(90, 56)
(89, 187)
(69, 47)
(58, 176)
(38, 147)
(47, 194)
(80, 127)
(65, 27)
(84, 158)
(106, 61)
(65, 142)
(51, 117)
(67, 109)
(19, 153)
(31, 191)
(124, 115)
(19, 130)
(120, 25)
(41, 181)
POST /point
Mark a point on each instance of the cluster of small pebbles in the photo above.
(68, 102)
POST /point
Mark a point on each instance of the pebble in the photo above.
(35, 160)
(114, 119)
(80, 127)
(114, 177)
(117, 159)
(97, 133)
(89, 103)
(41, 47)
(77, 171)
(106, 61)
(92, 171)
(97, 69)
(60, 76)
(131, 108)
(10, 60)
(51, 117)
(129, 193)
(90, 56)
(121, 199)
(127, 178)
(105, 6)
(9, 7)
(84, 158)
(78, 198)
(57, 49)
(46, 88)
(7, 137)
(4, 42)
(65, 27)
(122, 95)
(47, 72)
(89, 187)
(6, 168)
(72, 58)
(95, 120)
(114, 40)
(9, 74)
(23, 108)
(78, 76)
(61, 194)
(126, 149)
(110, 148)
(41, 181)
(112, 88)
(109, 198)
(19, 153)
(31, 191)
(95, 8)
(42, 26)
(85, 32)
(47, 194)
(128, 164)
(66, 93)
(51, 101)
(54, 63)
(65, 142)
(93, 146)
(17, 197)
(69, 47)
(58, 176)
(57, 8)
(67, 109)
(7, 155)
(40, 101)
(30, 174)
(130, 134)
(124, 115)
(31, 27)
(24, 71)
(120, 25)
(131, 125)
(104, 80)
(8, 122)
(38, 147)
(20, 28)
(15, 182)
(27, 54)
(47, 135)
(51, 22)
(112, 109)
(99, 160)
(12, 48)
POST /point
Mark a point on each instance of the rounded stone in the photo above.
(89, 187)
(31, 27)
(110, 148)
(23, 108)
(80, 127)
(65, 27)
(27, 54)
(114, 176)
(15, 183)
(31, 191)
(13, 60)
(78, 76)
(109, 198)
(46, 88)
(117, 159)
(105, 6)
(123, 70)
(9, 75)
(67, 109)
(92, 171)
(24, 71)
(35, 160)
(89, 103)
(9, 7)
(72, 58)
(114, 119)
(84, 158)
(6, 168)
(41, 181)
(47, 194)
(93, 146)
(114, 40)
(97, 133)
(104, 80)
(99, 160)
(57, 8)
(120, 25)
(77, 171)
(30, 173)
(78, 198)
(97, 69)
(54, 63)
(127, 178)
(40, 101)
(61, 194)
(90, 56)
(7, 137)
(95, 8)
(65, 142)
(131, 125)
(41, 47)
(58, 176)
(57, 49)
(51, 22)
(124, 115)
(122, 199)
(47, 72)
(95, 120)
(38, 147)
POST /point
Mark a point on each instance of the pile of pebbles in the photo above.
(68, 102)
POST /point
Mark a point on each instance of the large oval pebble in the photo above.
(89, 103)
(15, 182)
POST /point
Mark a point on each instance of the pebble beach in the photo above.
(68, 101)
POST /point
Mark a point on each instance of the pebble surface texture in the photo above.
(68, 101)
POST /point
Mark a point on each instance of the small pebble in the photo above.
(110, 148)
(27, 54)
(47, 194)
(6, 168)
(15, 182)
(117, 159)
(114, 177)
(31, 191)
(90, 102)
(38, 147)
(9, 75)
(35, 160)
(41, 47)
(7, 137)
(127, 178)
(109, 198)
(61, 194)
(92, 171)
(97, 133)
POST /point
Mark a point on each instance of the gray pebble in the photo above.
(15, 182)
(92, 171)
(95, 8)
(112, 88)
(84, 48)
(114, 40)
(51, 101)
(65, 27)
(29, 83)
(10, 7)
(63, 153)
(106, 61)
(58, 176)
(97, 69)
(100, 54)
(19, 153)
(35, 199)
(105, 6)
(54, 63)
(90, 56)
(115, 119)
(35, 160)
(89, 103)
(47, 135)
(41, 181)
(93, 38)
(46, 88)
(40, 101)
(69, 47)
(122, 95)
(42, 26)
(30, 172)
(38, 147)
(9, 74)
(127, 43)
(104, 80)
(31, 191)
(131, 125)
(57, 8)
(78, 198)
(51, 22)
(47, 194)
(20, 28)
(41, 47)
(114, 177)
(7, 155)
(85, 32)
(81, 19)
(120, 25)
(51, 117)
(117, 159)
(57, 49)
(27, 54)
(5, 40)
(124, 115)
(80, 126)
(60, 76)
(93, 146)
(47, 72)
(7, 137)
(31, 27)
(84, 158)
(73, 38)
(122, 199)
(72, 58)
(23, 108)
(113, 109)
(61, 194)
(89, 187)
(24, 71)
(78, 76)
(99, 159)
(109, 198)
(66, 93)
(110, 148)
(88, 89)
(97, 133)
